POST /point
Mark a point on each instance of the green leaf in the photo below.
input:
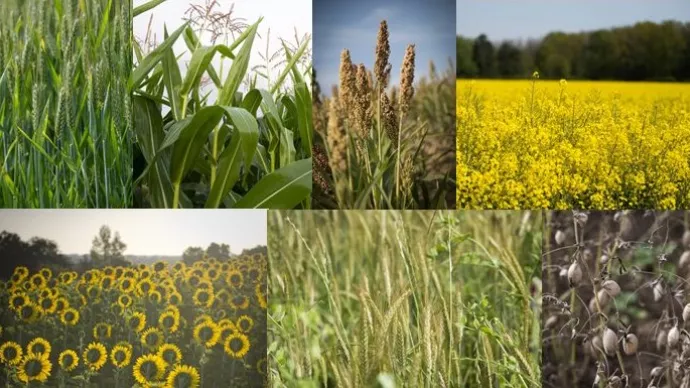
(151, 60)
(146, 7)
(239, 67)
(282, 189)
(172, 79)
(292, 62)
(191, 140)
(304, 116)
(248, 128)
(229, 166)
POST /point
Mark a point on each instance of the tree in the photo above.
(34, 254)
(192, 254)
(107, 250)
(483, 55)
(509, 59)
(466, 66)
(262, 249)
(219, 251)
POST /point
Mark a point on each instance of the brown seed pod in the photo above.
(673, 337)
(686, 313)
(686, 239)
(560, 237)
(604, 259)
(612, 288)
(596, 346)
(630, 344)
(658, 291)
(574, 274)
(551, 322)
(656, 372)
(609, 340)
(684, 262)
(661, 340)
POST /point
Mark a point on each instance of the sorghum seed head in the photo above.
(362, 108)
(347, 81)
(383, 51)
(389, 121)
(406, 80)
(336, 138)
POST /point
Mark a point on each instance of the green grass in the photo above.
(404, 298)
(64, 104)
(244, 148)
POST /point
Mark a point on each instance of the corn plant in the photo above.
(64, 105)
(247, 148)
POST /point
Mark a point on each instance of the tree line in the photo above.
(644, 51)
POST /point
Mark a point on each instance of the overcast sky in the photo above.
(145, 231)
(521, 19)
(281, 16)
(354, 25)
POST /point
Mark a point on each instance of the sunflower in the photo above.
(175, 298)
(183, 376)
(144, 287)
(106, 282)
(102, 331)
(155, 297)
(18, 300)
(260, 295)
(236, 345)
(160, 266)
(61, 303)
(95, 355)
(239, 302)
(226, 331)
(235, 278)
(169, 321)
(127, 285)
(121, 356)
(37, 281)
(39, 347)
(152, 338)
(245, 323)
(170, 353)
(69, 316)
(68, 360)
(207, 333)
(261, 366)
(10, 353)
(137, 321)
(203, 298)
(46, 273)
(21, 271)
(179, 266)
(148, 369)
(34, 368)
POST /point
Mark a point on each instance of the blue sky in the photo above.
(520, 19)
(340, 24)
(145, 231)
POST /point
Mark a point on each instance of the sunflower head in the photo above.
(148, 369)
(245, 323)
(183, 376)
(102, 331)
(61, 303)
(175, 298)
(261, 366)
(203, 298)
(235, 278)
(152, 338)
(68, 360)
(95, 356)
(137, 321)
(34, 368)
(18, 300)
(39, 346)
(207, 333)
(155, 297)
(169, 321)
(261, 295)
(236, 345)
(170, 353)
(160, 266)
(10, 353)
(121, 356)
(29, 312)
(69, 316)
(239, 302)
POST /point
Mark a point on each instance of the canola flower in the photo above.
(584, 145)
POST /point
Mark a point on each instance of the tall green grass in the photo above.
(404, 298)
(64, 105)
(246, 147)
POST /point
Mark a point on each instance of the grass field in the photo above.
(585, 145)
(64, 105)
(164, 325)
(404, 299)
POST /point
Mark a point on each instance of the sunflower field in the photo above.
(161, 325)
(573, 144)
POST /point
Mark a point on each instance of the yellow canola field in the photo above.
(586, 145)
